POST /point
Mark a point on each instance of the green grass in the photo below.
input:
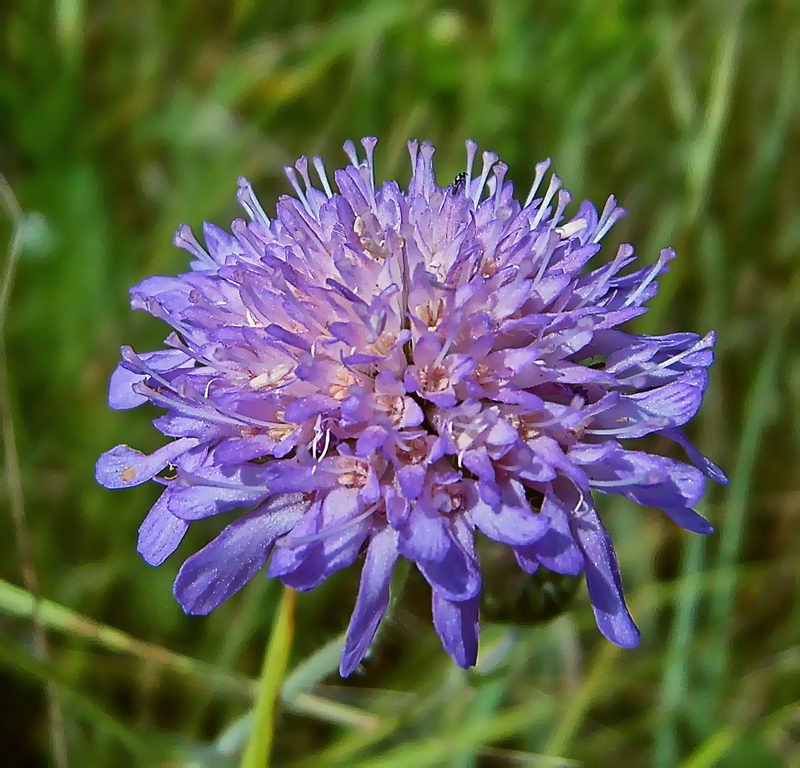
(120, 121)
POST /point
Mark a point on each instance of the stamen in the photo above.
(572, 228)
(666, 255)
(369, 142)
(615, 483)
(540, 170)
(248, 200)
(319, 166)
(350, 151)
(489, 159)
(472, 148)
(427, 150)
(564, 199)
(553, 187)
(325, 533)
(574, 407)
(302, 168)
(412, 152)
(500, 171)
(705, 343)
(611, 215)
(185, 239)
(292, 176)
(448, 342)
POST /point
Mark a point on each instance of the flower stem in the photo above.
(259, 745)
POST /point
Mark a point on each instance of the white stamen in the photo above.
(663, 257)
(251, 320)
(350, 151)
(489, 159)
(553, 187)
(448, 342)
(292, 176)
(319, 166)
(540, 171)
(500, 171)
(317, 435)
(369, 143)
(327, 532)
(472, 148)
(248, 200)
(564, 198)
(611, 215)
(571, 228)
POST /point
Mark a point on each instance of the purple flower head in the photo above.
(402, 374)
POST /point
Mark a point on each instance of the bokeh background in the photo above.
(119, 121)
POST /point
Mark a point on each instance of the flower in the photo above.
(397, 371)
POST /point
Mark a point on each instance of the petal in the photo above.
(120, 393)
(160, 533)
(325, 558)
(458, 627)
(689, 519)
(648, 479)
(336, 536)
(411, 478)
(309, 407)
(412, 413)
(423, 535)
(705, 465)
(512, 521)
(229, 561)
(556, 550)
(455, 576)
(124, 467)
(602, 578)
(526, 559)
(664, 407)
(202, 498)
(372, 438)
(372, 600)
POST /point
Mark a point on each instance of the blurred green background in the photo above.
(119, 121)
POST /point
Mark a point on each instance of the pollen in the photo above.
(434, 379)
(343, 379)
(128, 474)
(280, 374)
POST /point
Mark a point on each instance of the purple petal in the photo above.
(689, 519)
(526, 559)
(458, 627)
(513, 521)
(556, 550)
(121, 396)
(305, 408)
(124, 467)
(705, 465)
(455, 576)
(664, 407)
(199, 496)
(160, 533)
(649, 479)
(411, 478)
(337, 535)
(229, 561)
(424, 535)
(602, 579)
(372, 600)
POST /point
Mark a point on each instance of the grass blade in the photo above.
(259, 746)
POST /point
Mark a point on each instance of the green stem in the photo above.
(276, 658)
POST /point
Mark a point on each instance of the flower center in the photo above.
(434, 378)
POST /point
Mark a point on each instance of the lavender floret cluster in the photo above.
(408, 374)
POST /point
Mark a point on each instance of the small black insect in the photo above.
(458, 183)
